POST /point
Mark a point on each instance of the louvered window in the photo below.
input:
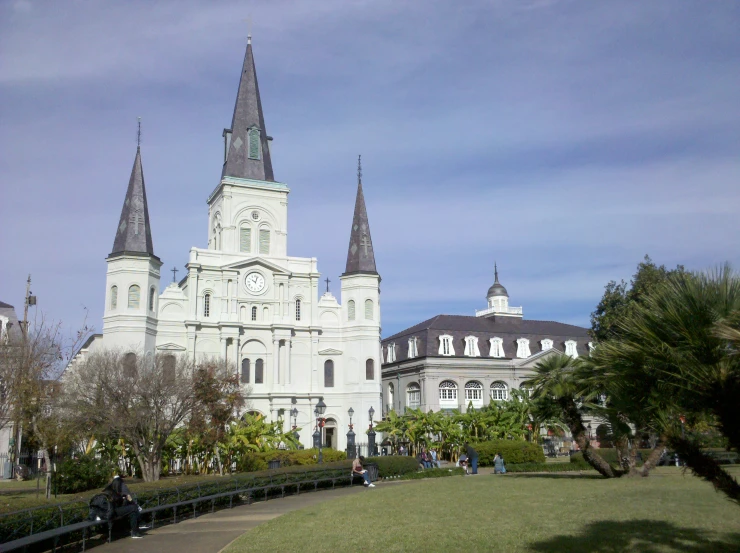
(245, 371)
(245, 240)
(369, 310)
(207, 305)
(254, 144)
(114, 297)
(264, 241)
(370, 369)
(297, 310)
(351, 310)
(152, 292)
(259, 372)
(134, 296)
(254, 313)
(329, 373)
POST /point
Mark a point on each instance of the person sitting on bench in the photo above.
(357, 469)
(123, 503)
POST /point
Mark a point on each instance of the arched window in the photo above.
(259, 372)
(245, 371)
(297, 310)
(413, 395)
(134, 295)
(254, 143)
(169, 365)
(129, 365)
(499, 391)
(369, 310)
(391, 406)
(370, 369)
(207, 305)
(264, 241)
(245, 239)
(254, 313)
(474, 393)
(152, 292)
(114, 297)
(351, 310)
(329, 373)
(447, 393)
(265, 313)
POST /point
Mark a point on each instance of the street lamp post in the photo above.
(294, 414)
(351, 452)
(371, 434)
(320, 410)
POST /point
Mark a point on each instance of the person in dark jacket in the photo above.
(472, 457)
(123, 504)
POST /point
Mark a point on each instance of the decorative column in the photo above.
(275, 361)
(288, 375)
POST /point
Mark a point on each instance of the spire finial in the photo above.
(495, 272)
(138, 135)
(359, 169)
(249, 28)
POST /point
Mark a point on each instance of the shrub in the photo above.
(82, 474)
(291, 457)
(513, 451)
(394, 465)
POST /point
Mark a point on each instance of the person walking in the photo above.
(472, 457)
(123, 504)
(357, 469)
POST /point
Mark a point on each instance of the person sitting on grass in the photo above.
(357, 469)
(463, 462)
(498, 464)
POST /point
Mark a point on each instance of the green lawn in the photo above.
(545, 513)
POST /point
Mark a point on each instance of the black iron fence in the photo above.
(68, 522)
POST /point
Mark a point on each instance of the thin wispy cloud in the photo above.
(563, 139)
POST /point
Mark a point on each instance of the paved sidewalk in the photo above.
(212, 532)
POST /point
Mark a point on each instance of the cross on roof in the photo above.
(174, 274)
(136, 219)
(364, 243)
(327, 284)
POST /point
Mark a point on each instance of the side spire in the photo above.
(134, 233)
(495, 273)
(360, 257)
(247, 154)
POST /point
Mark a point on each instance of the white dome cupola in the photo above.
(498, 300)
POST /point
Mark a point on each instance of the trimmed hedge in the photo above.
(513, 451)
(288, 458)
(609, 455)
(394, 465)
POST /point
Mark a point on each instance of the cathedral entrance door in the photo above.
(330, 434)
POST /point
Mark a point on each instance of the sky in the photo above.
(561, 139)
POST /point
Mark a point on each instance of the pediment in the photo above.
(330, 351)
(171, 347)
(538, 356)
(252, 261)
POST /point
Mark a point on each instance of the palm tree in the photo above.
(683, 340)
(555, 383)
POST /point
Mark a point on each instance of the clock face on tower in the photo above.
(255, 282)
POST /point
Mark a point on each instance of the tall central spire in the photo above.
(247, 144)
(360, 257)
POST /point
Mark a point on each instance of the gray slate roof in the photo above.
(360, 255)
(484, 328)
(134, 233)
(248, 114)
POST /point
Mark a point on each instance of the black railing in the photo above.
(39, 524)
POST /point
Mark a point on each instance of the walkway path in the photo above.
(210, 533)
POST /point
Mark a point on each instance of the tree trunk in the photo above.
(654, 456)
(573, 420)
(705, 466)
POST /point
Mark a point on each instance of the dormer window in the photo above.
(445, 345)
(546, 344)
(591, 347)
(570, 348)
(391, 357)
(254, 143)
(522, 348)
(497, 347)
(413, 347)
(471, 346)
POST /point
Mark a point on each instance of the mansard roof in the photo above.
(248, 117)
(508, 328)
(134, 232)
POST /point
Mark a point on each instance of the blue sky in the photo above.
(564, 139)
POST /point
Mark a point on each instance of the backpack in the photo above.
(101, 507)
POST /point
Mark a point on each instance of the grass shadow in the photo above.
(646, 536)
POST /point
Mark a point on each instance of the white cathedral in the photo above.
(244, 299)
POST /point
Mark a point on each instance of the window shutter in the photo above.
(369, 310)
(264, 241)
(245, 240)
(329, 373)
(114, 297)
(351, 310)
(134, 295)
